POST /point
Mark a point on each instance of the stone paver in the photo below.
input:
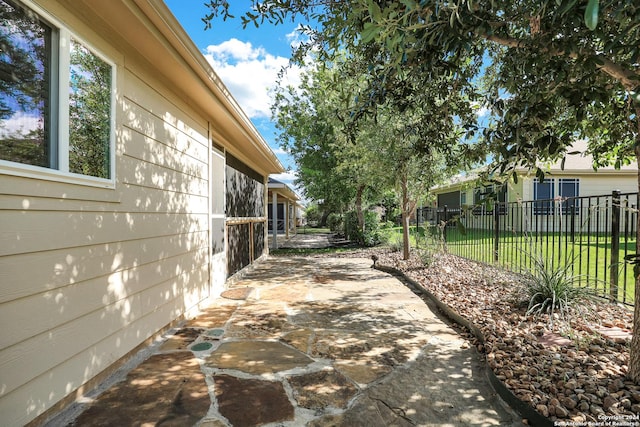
(252, 402)
(322, 389)
(317, 342)
(166, 389)
(257, 357)
(614, 333)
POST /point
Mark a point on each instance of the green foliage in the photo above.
(371, 236)
(391, 207)
(557, 70)
(395, 242)
(554, 71)
(351, 228)
(335, 222)
(591, 14)
(432, 243)
(313, 214)
(553, 289)
(387, 225)
(330, 167)
(29, 148)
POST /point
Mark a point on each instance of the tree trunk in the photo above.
(407, 209)
(323, 219)
(405, 235)
(359, 212)
(634, 350)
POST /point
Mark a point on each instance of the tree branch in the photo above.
(629, 79)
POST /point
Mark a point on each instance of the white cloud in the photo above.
(20, 123)
(483, 111)
(286, 177)
(250, 73)
(297, 36)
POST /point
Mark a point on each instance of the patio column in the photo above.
(286, 219)
(274, 223)
(295, 218)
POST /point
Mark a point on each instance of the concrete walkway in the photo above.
(306, 342)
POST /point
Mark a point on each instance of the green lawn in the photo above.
(589, 255)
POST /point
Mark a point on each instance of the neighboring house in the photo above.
(576, 179)
(131, 186)
(285, 207)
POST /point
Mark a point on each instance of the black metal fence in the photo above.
(590, 237)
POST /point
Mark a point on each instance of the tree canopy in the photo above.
(554, 70)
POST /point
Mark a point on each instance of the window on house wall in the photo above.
(56, 98)
(463, 197)
(543, 194)
(569, 190)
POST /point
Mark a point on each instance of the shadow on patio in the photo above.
(316, 342)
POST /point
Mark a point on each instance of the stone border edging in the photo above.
(525, 410)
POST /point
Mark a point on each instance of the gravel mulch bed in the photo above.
(561, 367)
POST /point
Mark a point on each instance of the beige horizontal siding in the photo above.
(602, 184)
(139, 92)
(48, 388)
(31, 358)
(65, 303)
(64, 267)
(88, 273)
(150, 153)
(139, 120)
(154, 200)
(48, 230)
(150, 176)
(30, 188)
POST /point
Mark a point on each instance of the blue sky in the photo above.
(247, 61)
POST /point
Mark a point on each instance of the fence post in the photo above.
(496, 230)
(615, 245)
(444, 228)
(573, 220)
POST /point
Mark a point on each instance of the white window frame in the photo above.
(549, 207)
(59, 172)
(556, 187)
(575, 183)
(218, 212)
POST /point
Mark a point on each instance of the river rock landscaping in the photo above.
(570, 368)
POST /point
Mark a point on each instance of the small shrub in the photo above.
(387, 225)
(313, 215)
(335, 223)
(427, 256)
(395, 243)
(553, 290)
(371, 235)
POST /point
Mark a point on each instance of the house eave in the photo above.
(284, 191)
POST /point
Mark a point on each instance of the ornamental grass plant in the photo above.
(554, 289)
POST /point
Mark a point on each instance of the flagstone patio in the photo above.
(303, 341)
